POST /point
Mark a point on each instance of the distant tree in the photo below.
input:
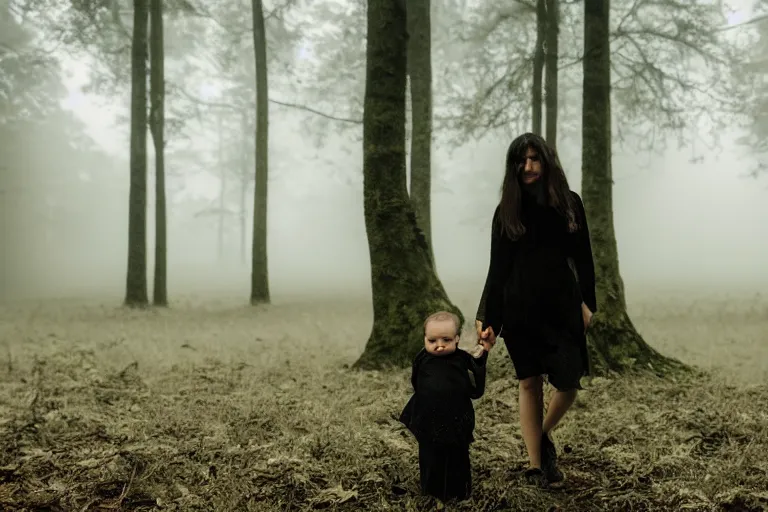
(406, 288)
(271, 39)
(420, 75)
(667, 74)
(259, 269)
(551, 73)
(231, 56)
(157, 127)
(545, 73)
(614, 342)
(136, 277)
(214, 35)
(30, 94)
(539, 56)
(99, 30)
(755, 69)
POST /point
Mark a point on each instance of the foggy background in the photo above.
(686, 218)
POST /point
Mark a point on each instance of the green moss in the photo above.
(420, 72)
(616, 346)
(406, 288)
(614, 343)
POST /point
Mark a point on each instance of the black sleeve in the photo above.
(415, 367)
(492, 301)
(480, 315)
(582, 257)
(477, 367)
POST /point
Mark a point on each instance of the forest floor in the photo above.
(223, 407)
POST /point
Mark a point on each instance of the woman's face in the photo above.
(530, 168)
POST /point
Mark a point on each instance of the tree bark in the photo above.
(157, 126)
(259, 269)
(405, 286)
(615, 344)
(550, 71)
(420, 72)
(136, 278)
(538, 66)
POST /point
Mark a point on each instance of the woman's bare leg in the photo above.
(531, 411)
(559, 404)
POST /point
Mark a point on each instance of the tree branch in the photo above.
(317, 112)
(514, 11)
(755, 19)
(238, 107)
(673, 38)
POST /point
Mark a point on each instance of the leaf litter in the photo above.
(81, 434)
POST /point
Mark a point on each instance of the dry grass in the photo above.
(232, 408)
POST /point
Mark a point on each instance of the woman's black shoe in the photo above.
(549, 460)
(535, 477)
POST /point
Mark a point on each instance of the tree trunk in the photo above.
(136, 278)
(259, 269)
(550, 72)
(405, 287)
(615, 344)
(244, 180)
(222, 188)
(420, 72)
(538, 65)
(157, 124)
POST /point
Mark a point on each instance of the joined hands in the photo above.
(485, 337)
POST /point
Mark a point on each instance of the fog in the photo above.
(261, 407)
(685, 218)
(680, 224)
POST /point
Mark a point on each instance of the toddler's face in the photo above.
(440, 337)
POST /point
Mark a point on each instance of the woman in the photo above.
(540, 292)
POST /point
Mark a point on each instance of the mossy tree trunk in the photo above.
(614, 342)
(405, 286)
(259, 268)
(420, 73)
(550, 70)
(157, 127)
(136, 278)
(538, 67)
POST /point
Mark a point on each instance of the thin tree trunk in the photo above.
(597, 181)
(244, 180)
(420, 72)
(614, 342)
(405, 286)
(538, 66)
(551, 76)
(136, 278)
(222, 187)
(259, 269)
(157, 123)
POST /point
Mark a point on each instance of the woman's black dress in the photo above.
(534, 290)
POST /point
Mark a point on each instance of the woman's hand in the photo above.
(586, 316)
(486, 338)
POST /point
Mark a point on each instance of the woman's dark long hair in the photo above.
(558, 193)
